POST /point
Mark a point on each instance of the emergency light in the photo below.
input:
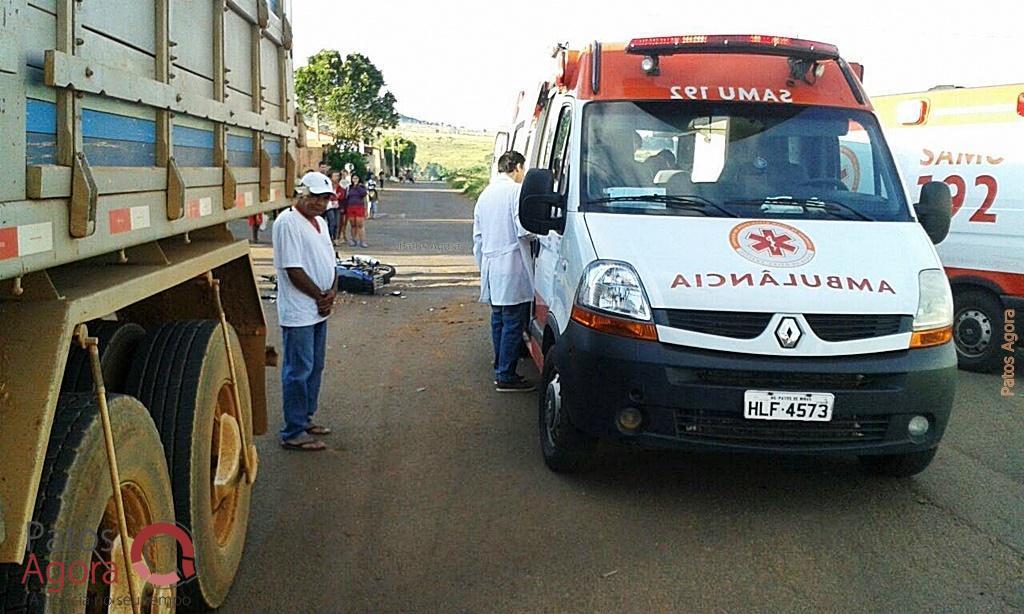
(734, 43)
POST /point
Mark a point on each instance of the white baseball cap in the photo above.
(317, 183)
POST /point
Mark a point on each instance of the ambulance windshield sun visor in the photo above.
(745, 159)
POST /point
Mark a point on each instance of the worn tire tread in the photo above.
(74, 414)
(167, 379)
(78, 371)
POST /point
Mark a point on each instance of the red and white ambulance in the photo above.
(707, 277)
(973, 140)
(518, 134)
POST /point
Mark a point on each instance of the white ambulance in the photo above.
(707, 278)
(518, 135)
(973, 140)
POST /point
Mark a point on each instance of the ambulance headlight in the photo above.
(614, 287)
(935, 305)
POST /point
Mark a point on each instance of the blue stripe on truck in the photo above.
(40, 117)
(100, 125)
(239, 143)
(193, 137)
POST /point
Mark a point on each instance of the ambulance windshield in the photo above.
(738, 160)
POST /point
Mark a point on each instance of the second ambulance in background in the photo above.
(972, 139)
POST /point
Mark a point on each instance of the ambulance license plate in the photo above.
(801, 406)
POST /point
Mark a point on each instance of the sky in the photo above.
(464, 62)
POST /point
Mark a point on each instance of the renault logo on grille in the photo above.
(788, 333)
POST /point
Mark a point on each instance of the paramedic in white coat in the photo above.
(502, 250)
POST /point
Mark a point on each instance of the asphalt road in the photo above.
(433, 495)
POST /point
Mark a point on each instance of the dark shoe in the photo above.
(520, 385)
(519, 378)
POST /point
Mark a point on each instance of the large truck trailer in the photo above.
(130, 322)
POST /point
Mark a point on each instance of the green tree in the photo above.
(347, 94)
(337, 157)
(315, 82)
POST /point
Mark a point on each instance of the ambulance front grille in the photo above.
(750, 325)
(733, 324)
(849, 327)
(787, 380)
(730, 427)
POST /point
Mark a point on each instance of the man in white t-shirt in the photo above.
(306, 288)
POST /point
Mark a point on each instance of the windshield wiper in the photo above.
(689, 203)
(830, 206)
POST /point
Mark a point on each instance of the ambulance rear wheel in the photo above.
(977, 330)
(565, 448)
(181, 373)
(74, 526)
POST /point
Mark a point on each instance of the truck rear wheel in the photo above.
(565, 448)
(898, 465)
(977, 330)
(181, 373)
(117, 343)
(75, 523)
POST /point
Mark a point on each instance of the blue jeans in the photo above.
(304, 350)
(507, 325)
(333, 217)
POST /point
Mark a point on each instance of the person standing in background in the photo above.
(255, 223)
(355, 212)
(333, 213)
(372, 196)
(346, 182)
(501, 247)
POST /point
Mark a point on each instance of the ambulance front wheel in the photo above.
(977, 330)
(565, 448)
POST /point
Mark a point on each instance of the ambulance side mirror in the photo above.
(541, 209)
(935, 211)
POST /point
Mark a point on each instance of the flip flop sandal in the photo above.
(310, 445)
(318, 429)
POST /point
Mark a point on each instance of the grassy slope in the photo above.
(467, 157)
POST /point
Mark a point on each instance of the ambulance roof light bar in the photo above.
(734, 43)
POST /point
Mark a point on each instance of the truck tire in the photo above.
(977, 330)
(118, 341)
(898, 465)
(564, 447)
(75, 499)
(181, 374)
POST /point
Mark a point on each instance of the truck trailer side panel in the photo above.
(142, 129)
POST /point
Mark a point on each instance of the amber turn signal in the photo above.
(614, 326)
(929, 338)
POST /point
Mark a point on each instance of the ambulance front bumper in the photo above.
(694, 399)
